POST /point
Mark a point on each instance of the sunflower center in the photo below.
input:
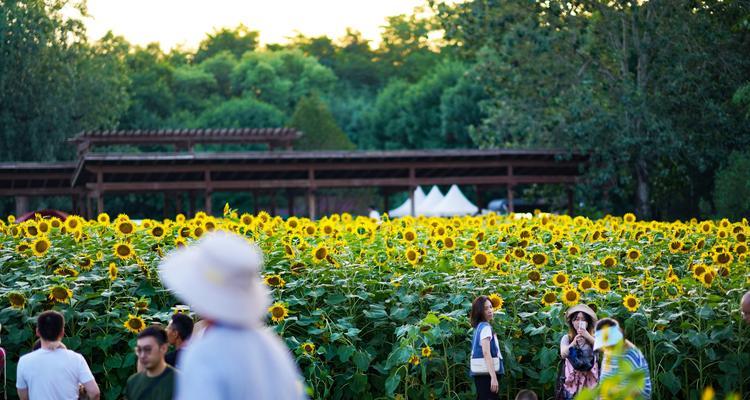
(60, 293)
(123, 250)
(277, 312)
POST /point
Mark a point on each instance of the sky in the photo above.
(186, 22)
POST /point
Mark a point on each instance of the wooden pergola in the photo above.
(185, 139)
(296, 173)
(202, 174)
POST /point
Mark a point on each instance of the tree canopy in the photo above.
(656, 92)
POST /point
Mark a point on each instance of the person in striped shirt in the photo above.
(624, 367)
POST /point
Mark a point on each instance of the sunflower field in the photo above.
(379, 309)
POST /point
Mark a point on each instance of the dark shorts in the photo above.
(482, 383)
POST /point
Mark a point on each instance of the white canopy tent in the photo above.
(405, 208)
(454, 203)
(434, 197)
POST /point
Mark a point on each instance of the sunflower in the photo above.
(320, 252)
(125, 227)
(43, 227)
(609, 262)
(60, 294)
(534, 276)
(449, 243)
(274, 281)
(574, 250)
(549, 298)
(17, 300)
(602, 285)
(103, 218)
(519, 253)
(134, 324)
(699, 270)
(426, 351)
(72, 224)
(66, 271)
(585, 284)
(278, 312)
(412, 255)
(414, 360)
(539, 259)
(198, 231)
(633, 255)
(112, 270)
(706, 227)
(740, 249)
(85, 263)
(409, 235)
(708, 278)
(470, 244)
(571, 297)
(157, 231)
(308, 348)
(480, 259)
(631, 302)
(723, 258)
(560, 279)
(496, 300)
(40, 246)
(675, 246)
(123, 250)
(629, 218)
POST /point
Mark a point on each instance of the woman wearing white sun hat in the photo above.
(237, 357)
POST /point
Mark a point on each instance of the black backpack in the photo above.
(582, 358)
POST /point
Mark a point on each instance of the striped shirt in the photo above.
(636, 360)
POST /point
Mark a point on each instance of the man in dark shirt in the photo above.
(157, 380)
(178, 332)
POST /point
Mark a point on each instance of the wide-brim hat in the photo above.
(581, 308)
(219, 277)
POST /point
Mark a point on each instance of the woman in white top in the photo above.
(486, 361)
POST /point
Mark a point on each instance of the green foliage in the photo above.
(732, 192)
(313, 118)
(53, 83)
(236, 41)
(280, 78)
(241, 113)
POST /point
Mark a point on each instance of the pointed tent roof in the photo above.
(430, 202)
(454, 203)
(405, 208)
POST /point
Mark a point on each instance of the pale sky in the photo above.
(186, 22)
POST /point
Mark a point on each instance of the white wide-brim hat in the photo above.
(219, 277)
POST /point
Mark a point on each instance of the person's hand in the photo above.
(586, 335)
(493, 384)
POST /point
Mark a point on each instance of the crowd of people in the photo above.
(591, 352)
(230, 354)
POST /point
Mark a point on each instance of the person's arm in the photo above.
(92, 389)
(23, 394)
(565, 346)
(586, 335)
(490, 365)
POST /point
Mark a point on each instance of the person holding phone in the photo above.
(579, 367)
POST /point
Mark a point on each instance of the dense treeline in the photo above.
(658, 92)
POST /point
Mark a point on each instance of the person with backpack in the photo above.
(579, 367)
(486, 360)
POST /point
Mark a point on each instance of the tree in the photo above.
(732, 193)
(220, 66)
(241, 113)
(150, 89)
(320, 131)
(280, 78)
(53, 83)
(237, 41)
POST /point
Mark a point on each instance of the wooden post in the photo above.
(569, 189)
(178, 203)
(412, 188)
(311, 203)
(191, 204)
(290, 202)
(510, 189)
(207, 197)
(99, 194)
(164, 205)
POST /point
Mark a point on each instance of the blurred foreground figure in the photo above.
(237, 357)
(745, 307)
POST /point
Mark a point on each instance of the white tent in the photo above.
(454, 203)
(405, 208)
(430, 202)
